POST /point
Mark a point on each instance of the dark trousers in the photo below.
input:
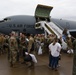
(54, 62)
(50, 59)
(18, 56)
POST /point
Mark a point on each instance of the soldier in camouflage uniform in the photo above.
(13, 46)
(23, 44)
(74, 58)
(30, 43)
(1, 43)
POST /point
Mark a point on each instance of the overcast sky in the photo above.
(65, 9)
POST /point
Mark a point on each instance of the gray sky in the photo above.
(65, 9)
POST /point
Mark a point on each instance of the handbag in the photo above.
(40, 51)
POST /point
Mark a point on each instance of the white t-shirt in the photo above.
(55, 49)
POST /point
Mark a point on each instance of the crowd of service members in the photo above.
(16, 46)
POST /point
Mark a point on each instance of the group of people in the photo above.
(66, 43)
(20, 47)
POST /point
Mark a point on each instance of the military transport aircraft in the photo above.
(28, 24)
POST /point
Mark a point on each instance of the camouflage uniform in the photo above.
(13, 46)
(1, 43)
(23, 43)
(31, 44)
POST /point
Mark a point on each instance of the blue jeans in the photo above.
(54, 62)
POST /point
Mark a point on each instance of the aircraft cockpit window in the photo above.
(7, 19)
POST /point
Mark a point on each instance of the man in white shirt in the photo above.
(54, 49)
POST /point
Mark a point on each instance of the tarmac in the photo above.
(41, 67)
